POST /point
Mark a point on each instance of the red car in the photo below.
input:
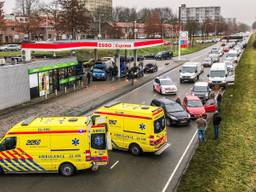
(195, 107)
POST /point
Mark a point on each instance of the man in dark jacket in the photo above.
(216, 124)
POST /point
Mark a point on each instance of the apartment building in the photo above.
(199, 14)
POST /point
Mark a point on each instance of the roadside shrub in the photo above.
(254, 44)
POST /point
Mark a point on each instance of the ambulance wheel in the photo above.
(135, 149)
(67, 169)
(168, 122)
(1, 171)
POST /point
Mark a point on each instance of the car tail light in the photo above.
(88, 155)
(151, 140)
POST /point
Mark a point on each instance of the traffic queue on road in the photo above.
(69, 144)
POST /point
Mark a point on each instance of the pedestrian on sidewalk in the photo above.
(216, 124)
(201, 127)
(89, 78)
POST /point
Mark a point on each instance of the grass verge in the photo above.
(230, 163)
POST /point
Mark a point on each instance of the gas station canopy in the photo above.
(92, 44)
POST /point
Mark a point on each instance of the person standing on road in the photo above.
(201, 127)
(216, 124)
(178, 100)
(89, 78)
(219, 100)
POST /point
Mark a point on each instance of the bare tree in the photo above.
(192, 26)
(26, 7)
(153, 24)
(73, 18)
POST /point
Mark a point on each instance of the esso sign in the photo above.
(106, 45)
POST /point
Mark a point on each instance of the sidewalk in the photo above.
(81, 101)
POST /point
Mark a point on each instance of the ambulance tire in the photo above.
(1, 171)
(67, 169)
(135, 149)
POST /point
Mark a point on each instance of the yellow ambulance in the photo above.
(136, 128)
(54, 144)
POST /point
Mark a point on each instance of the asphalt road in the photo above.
(126, 173)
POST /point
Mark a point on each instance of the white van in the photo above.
(218, 74)
(191, 71)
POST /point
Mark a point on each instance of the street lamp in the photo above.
(99, 35)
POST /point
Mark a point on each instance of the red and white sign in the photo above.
(92, 44)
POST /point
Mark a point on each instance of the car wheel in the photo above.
(135, 149)
(67, 169)
(181, 81)
(197, 77)
(1, 171)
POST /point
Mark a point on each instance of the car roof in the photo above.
(201, 84)
(218, 66)
(189, 64)
(164, 100)
(191, 97)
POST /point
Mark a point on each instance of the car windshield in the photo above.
(194, 103)
(99, 66)
(166, 82)
(232, 55)
(217, 73)
(173, 108)
(200, 88)
(188, 69)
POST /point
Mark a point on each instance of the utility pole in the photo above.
(135, 22)
(99, 35)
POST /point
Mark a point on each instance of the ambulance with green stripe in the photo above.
(136, 128)
(55, 144)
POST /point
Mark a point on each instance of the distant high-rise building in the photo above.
(99, 7)
(230, 20)
(199, 14)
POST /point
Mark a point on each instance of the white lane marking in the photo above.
(178, 164)
(114, 165)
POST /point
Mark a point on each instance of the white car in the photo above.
(231, 77)
(165, 86)
(233, 54)
(215, 57)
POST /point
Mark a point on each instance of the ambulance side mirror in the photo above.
(94, 117)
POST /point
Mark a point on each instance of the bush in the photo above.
(254, 44)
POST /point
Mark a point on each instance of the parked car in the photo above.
(174, 112)
(150, 56)
(201, 90)
(13, 47)
(207, 62)
(164, 55)
(194, 107)
(150, 68)
(99, 71)
(164, 86)
(3, 48)
(137, 72)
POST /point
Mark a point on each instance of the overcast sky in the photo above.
(243, 10)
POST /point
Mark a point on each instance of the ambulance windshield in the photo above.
(159, 125)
